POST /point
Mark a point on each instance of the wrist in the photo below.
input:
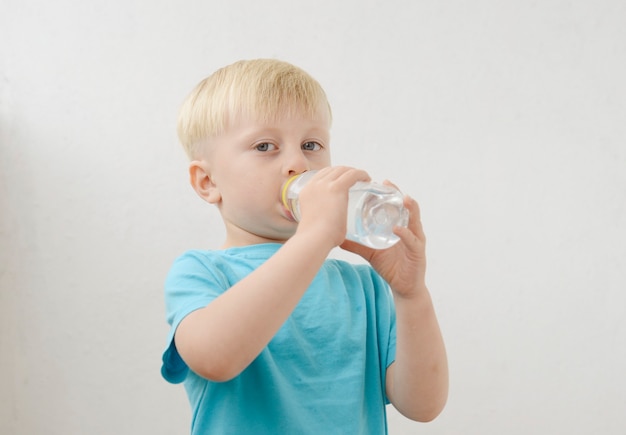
(418, 292)
(313, 242)
(319, 236)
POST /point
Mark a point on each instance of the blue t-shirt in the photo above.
(322, 373)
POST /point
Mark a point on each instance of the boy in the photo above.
(269, 336)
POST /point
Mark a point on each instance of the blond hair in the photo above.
(262, 89)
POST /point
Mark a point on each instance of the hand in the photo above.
(403, 265)
(324, 202)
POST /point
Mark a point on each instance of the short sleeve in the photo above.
(386, 324)
(191, 284)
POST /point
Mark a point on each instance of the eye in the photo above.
(265, 146)
(311, 146)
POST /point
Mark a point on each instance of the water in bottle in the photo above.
(373, 210)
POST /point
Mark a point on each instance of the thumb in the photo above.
(356, 248)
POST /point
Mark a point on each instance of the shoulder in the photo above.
(225, 266)
(361, 272)
(194, 263)
(196, 259)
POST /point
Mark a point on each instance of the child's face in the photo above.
(249, 164)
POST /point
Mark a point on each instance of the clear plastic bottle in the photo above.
(373, 210)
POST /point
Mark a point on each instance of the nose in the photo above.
(295, 163)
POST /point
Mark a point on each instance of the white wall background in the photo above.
(506, 119)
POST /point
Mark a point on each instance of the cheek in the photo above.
(247, 190)
(254, 194)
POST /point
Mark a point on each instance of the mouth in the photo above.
(288, 214)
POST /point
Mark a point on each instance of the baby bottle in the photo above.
(373, 210)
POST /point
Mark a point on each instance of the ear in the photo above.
(202, 183)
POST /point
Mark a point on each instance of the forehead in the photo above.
(318, 113)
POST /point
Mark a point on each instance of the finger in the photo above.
(415, 216)
(345, 175)
(389, 183)
(352, 175)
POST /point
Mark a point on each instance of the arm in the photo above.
(417, 382)
(223, 338)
